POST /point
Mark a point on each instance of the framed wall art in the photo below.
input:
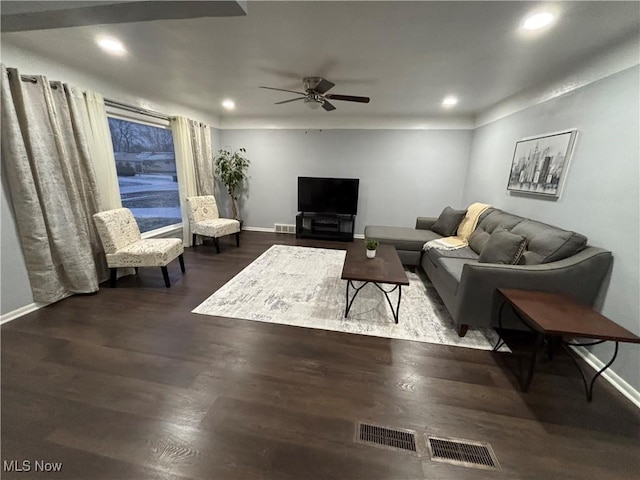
(540, 164)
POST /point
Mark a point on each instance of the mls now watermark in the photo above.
(31, 466)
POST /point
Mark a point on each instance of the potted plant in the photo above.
(231, 168)
(371, 245)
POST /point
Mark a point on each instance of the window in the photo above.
(146, 167)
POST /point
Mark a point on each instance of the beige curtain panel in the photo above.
(101, 149)
(52, 185)
(184, 170)
(194, 165)
(202, 157)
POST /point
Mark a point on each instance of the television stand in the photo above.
(325, 226)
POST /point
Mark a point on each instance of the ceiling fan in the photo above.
(315, 95)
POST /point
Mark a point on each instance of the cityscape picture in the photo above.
(540, 164)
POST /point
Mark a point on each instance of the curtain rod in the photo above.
(131, 108)
(26, 78)
(111, 103)
(33, 79)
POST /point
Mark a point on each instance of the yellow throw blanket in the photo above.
(465, 229)
(470, 220)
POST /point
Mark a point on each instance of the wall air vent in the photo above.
(284, 228)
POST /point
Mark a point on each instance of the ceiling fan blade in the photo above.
(348, 98)
(324, 86)
(327, 106)
(283, 90)
(292, 100)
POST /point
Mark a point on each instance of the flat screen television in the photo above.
(328, 195)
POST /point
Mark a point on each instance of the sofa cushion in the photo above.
(487, 224)
(402, 238)
(448, 221)
(478, 240)
(465, 252)
(479, 237)
(546, 243)
(451, 271)
(503, 247)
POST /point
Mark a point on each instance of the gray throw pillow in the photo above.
(503, 247)
(478, 239)
(448, 221)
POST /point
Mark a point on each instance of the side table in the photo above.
(553, 316)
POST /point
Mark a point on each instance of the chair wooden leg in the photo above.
(136, 270)
(217, 242)
(165, 274)
(114, 277)
(193, 240)
(237, 239)
(181, 260)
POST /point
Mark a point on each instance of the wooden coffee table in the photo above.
(553, 316)
(385, 268)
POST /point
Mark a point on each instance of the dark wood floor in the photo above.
(127, 384)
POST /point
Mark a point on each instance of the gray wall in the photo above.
(601, 198)
(403, 173)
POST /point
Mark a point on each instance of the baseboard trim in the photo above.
(19, 312)
(258, 229)
(612, 377)
(271, 230)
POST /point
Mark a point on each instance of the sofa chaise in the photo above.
(551, 259)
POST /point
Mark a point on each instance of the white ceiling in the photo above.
(406, 56)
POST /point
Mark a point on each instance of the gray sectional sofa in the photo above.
(554, 260)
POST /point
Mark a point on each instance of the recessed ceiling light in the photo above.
(111, 45)
(229, 104)
(538, 21)
(449, 101)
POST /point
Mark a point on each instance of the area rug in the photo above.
(301, 286)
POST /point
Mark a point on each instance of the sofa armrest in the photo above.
(580, 277)
(425, 223)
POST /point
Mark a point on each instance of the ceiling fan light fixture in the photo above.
(315, 96)
(312, 104)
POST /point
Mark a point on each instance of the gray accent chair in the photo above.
(555, 260)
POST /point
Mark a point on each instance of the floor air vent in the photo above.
(284, 228)
(462, 452)
(387, 437)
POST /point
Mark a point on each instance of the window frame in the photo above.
(121, 114)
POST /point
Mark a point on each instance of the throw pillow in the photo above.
(478, 239)
(503, 247)
(448, 221)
